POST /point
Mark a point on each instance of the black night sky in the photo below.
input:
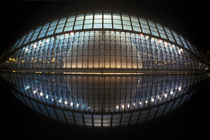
(187, 18)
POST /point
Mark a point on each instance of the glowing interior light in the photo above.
(128, 105)
(117, 107)
(158, 97)
(71, 104)
(165, 95)
(122, 106)
(140, 103)
(47, 96)
(34, 91)
(160, 41)
(180, 88)
(166, 43)
(65, 102)
(152, 100)
(77, 105)
(171, 92)
(34, 45)
(66, 35)
(134, 104)
(146, 101)
(26, 49)
(41, 94)
(59, 100)
(147, 37)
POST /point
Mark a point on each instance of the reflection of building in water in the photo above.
(103, 100)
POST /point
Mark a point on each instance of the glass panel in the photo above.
(60, 25)
(52, 27)
(44, 30)
(69, 23)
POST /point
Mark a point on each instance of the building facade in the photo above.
(103, 69)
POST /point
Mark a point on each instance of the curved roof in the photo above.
(104, 21)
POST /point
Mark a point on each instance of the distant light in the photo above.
(140, 103)
(65, 102)
(60, 100)
(146, 101)
(71, 104)
(117, 107)
(72, 33)
(34, 91)
(141, 35)
(152, 100)
(165, 95)
(122, 106)
(47, 96)
(160, 41)
(171, 92)
(77, 105)
(41, 94)
(180, 88)
(66, 35)
(26, 49)
(128, 105)
(134, 104)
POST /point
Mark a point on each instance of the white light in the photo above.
(152, 100)
(77, 105)
(47, 96)
(117, 107)
(72, 33)
(134, 104)
(34, 45)
(71, 104)
(26, 49)
(122, 106)
(34, 91)
(141, 35)
(165, 95)
(146, 101)
(147, 37)
(52, 99)
(180, 88)
(65, 102)
(171, 92)
(166, 43)
(158, 97)
(160, 41)
(59, 100)
(140, 103)
(66, 35)
(128, 105)
(41, 93)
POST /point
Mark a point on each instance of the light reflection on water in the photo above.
(103, 100)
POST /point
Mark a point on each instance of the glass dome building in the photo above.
(102, 69)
